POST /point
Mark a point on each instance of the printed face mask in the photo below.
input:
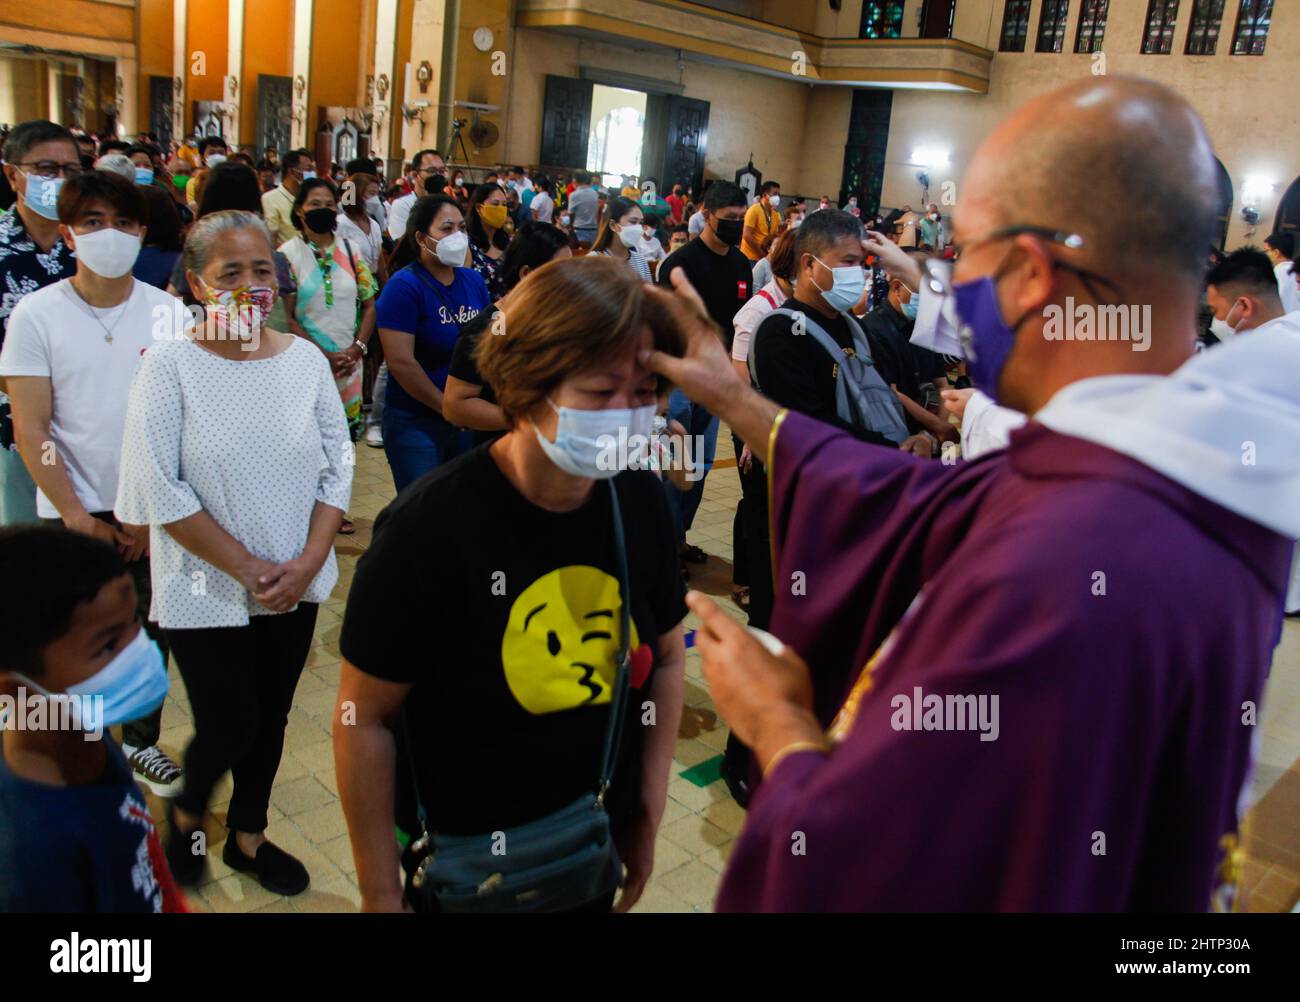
(239, 312)
(587, 443)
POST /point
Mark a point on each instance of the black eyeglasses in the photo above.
(51, 169)
(940, 279)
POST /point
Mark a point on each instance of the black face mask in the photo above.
(321, 220)
(729, 231)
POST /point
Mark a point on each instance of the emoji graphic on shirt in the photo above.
(561, 640)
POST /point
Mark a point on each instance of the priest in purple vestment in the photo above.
(1030, 681)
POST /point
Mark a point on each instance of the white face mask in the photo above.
(774, 201)
(1222, 329)
(108, 253)
(215, 159)
(599, 444)
(630, 235)
(451, 249)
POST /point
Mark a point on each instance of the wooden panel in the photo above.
(566, 122)
(73, 17)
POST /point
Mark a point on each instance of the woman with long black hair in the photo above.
(620, 235)
(420, 314)
(489, 227)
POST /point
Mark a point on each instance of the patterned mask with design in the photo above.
(239, 312)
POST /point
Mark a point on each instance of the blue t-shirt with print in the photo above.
(89, 848)
(416, 303)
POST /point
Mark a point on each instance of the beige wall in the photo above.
(24, 89)
(1246, 102)
(747, 112)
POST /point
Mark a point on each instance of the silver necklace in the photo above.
(75, 296)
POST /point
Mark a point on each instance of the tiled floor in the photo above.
(701, 822)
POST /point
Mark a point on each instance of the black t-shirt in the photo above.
(724, 281)
(463, 368)
(795, 371)
(505, 618)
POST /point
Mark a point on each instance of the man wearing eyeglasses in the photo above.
(425, 167)
(38, 157)
(1024, 683)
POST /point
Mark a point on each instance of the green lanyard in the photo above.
(326, 267)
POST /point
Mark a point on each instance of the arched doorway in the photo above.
(1224, 208)
(1288, 210)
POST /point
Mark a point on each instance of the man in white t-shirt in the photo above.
(69, 355)
(425, 166)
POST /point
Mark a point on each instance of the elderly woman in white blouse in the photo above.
(237, 457)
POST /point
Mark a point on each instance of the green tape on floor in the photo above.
(708, 771)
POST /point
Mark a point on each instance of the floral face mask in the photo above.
(239, 312)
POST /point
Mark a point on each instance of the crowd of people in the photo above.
(195, 342)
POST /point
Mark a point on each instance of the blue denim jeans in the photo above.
(697, 421)
(418, 443)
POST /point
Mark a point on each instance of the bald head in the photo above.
(1122, 161)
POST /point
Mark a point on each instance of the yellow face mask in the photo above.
(493, 215)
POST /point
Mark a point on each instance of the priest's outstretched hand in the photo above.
(765, 698)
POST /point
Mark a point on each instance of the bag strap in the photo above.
(622, 659)
(618, 698)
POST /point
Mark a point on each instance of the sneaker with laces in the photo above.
(155, 769)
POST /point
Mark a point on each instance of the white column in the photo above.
(303, 13)
(128, 105)
(180, 68)
(233, 89)
(428, 25)
(54, 77)
(385, 107)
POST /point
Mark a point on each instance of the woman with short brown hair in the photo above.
(503, 567)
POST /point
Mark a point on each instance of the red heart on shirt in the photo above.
(643, 660)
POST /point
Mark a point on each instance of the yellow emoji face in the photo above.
(561, 638)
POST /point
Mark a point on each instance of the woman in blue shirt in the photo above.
(420, 313)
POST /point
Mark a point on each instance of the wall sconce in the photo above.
(423, 76)
(931, 157)
(299, 85)
(381, 86)
(1256, 188)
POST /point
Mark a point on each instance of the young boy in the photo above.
(75, 834)
(70, 353)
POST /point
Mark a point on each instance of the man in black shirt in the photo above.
(723, 277)
(914, 372)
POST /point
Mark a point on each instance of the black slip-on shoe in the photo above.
(274, 868)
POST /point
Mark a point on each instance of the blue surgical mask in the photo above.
(911, 307)
(847, 286)
(42, 195)
(588, 443)
(986, 339)
(308, 175)
(131, 686)
(144, 175)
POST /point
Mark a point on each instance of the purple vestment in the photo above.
(1120, 620)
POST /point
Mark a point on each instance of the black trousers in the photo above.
(739, 550)
(143, 732)
(240, 681)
